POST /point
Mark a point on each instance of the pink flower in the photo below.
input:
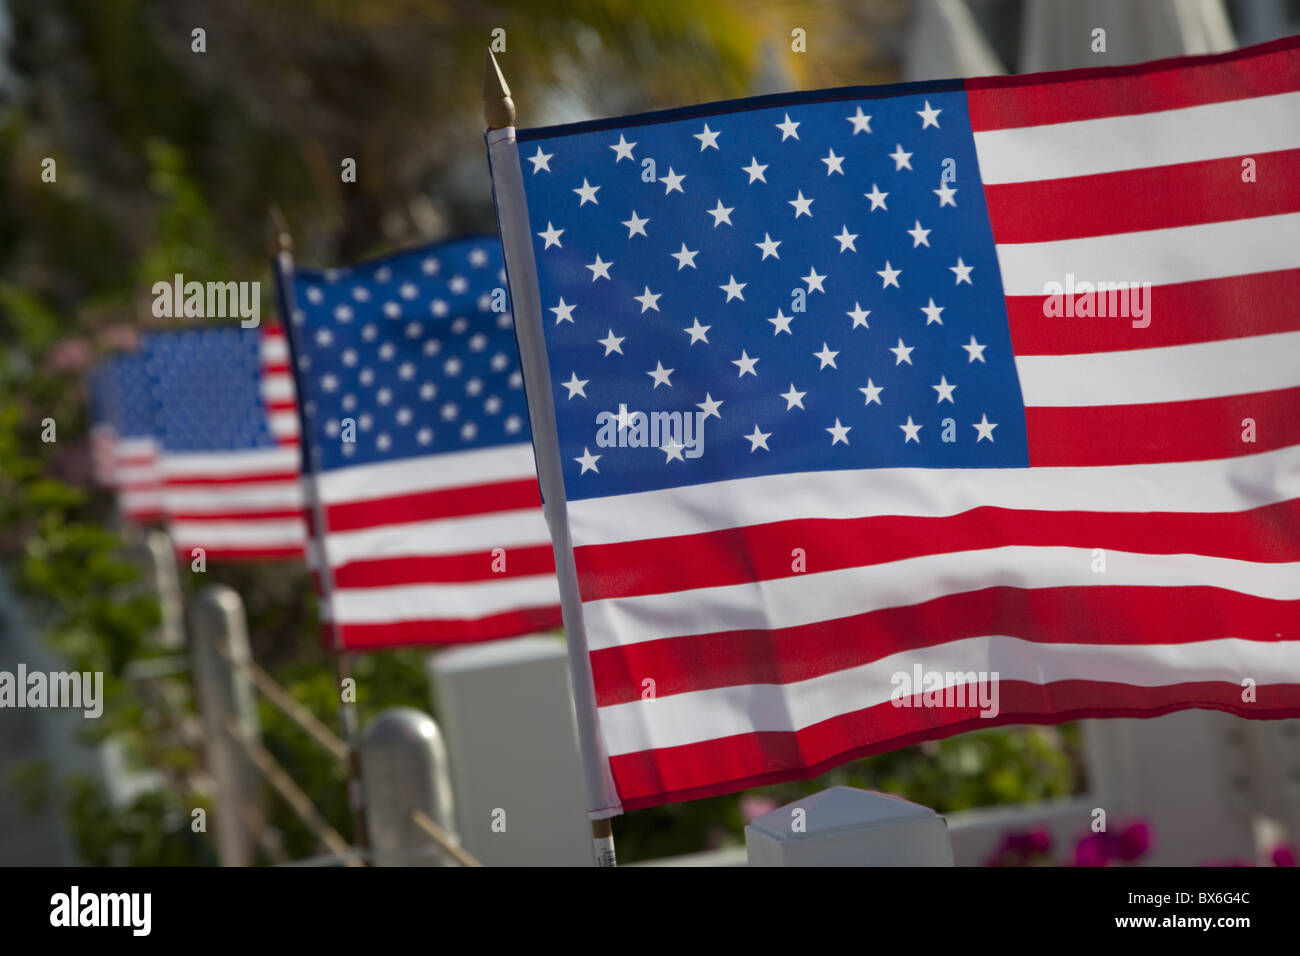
(69, 355)
(752, 807)
(1134, 840)
(1092, 850)
(1284, 855)
(119, 337)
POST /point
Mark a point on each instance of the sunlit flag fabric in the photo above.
(229, 439)
(913, 455)
(124, 444)
(418, 442)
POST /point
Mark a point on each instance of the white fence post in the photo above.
(155, 555)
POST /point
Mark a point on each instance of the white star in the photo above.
(975, 351)
(859, 316)
(839, 433)
(720, 214)
(890, 276)
(985, 429)
(919, 235)
(793, 398)
(672, 182)
(552, 236)
(944, 390)
(845, 239)
(963, 272)
(860, 122)
(802, 207)
(945, 195)
(587, 192)
(745, 364)
(834, 164)
(697, 332)
(612, 343)
(932, 313)
(782, 322)
(877, 198)
(827, 357)
(588, 462)
(911, 431)
(710, 407)
(787, 128)
(903, 353)
(755, 170)
(541, 161)
(814, 280)
(673, 450)
(768, 245)
(758, 440)
(635, 225)
(623, 150)
(733, 289)
(575, 385)
(872, 391)
(563, 312)
(708, 139)
(649, 300)
(685, 258)
(599, 268)
(660, 375)
(901, 159)
(929, 116)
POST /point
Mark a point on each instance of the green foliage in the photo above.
(155, 830)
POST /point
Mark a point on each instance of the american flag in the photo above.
(419, 451)
(124, 445)
(909, 457)
(228, 431)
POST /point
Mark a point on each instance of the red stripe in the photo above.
(287, 553)
(144, 515)
(1002, 102)
(1184, 314)
(194, 481)
(520, 562)
(763, 552)
(275, 368)
(1200, 430)
(281, 405)
(728, 764)
(369, 637)
(1132, 200)
(275, 514)
(500, 496)
(1115, 614)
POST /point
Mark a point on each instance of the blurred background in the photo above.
(168, 158)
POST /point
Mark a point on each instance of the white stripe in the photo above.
(137, 475)
(1212, 250)
(135, 501)
(135, 447)
(1227, 485)
(271, 460)
(254, 496)
(413, 602)
(503, 529)
(254, 533)
(283, 424)
(1137, 141)
(678, 719)
(1175, 373)
(428, 473)
(813, 597)
(275, 350)
(277, 388)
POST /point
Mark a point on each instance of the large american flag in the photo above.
(228, 432)
(419, 452)
(123, 434)
(907, 460)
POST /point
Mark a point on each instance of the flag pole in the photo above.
(516, 241)
(282, 252)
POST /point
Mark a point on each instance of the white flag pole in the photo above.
(516, 239)
(282, 247)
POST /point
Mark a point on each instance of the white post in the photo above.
(844, 826)
(507, 710)
(154, 554)
(404, 769)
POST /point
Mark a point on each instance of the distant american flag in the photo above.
(229, 442)
(418, 435)
(905, 461)
(124, 446)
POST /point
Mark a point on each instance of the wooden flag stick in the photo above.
(281, 249)
(499, 113)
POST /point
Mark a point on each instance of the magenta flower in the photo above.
(1284, 855)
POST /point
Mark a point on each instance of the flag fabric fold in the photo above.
(124, 438)
(417, 451)
(858, 398)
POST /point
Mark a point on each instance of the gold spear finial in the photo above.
(498, 107)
